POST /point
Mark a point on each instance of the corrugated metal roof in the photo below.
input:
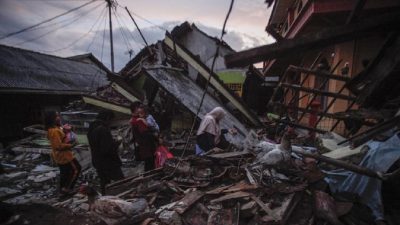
(189, 94)
(24, 69)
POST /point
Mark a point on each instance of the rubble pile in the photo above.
(30, 174)
(260, 182)
(238, 188)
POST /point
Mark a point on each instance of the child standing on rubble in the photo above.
(62, 153)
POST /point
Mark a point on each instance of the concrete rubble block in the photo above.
(43, 169)
(16, 175)
(43, 177)
(170, 217)
(4, 191)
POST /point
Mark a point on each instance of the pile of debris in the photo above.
(265, 183)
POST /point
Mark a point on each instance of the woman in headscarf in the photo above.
(209, 132)
(61, 153)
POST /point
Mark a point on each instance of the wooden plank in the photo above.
(319, 113)
(250, 176)
(325, 37)
(124, 92)
(317, 73)
(231, 196)
(34, 130)
(315, 91)
(136, 178)
(187, 201)
(106, 105)
(46, 151)
(269, 211)
(218, 190)
(364, 136)
(230, 154)
(242, 186)
(358, 7)
(214, 81)
(341, 164)
(300, 126)
(288, 205)
(344, 152)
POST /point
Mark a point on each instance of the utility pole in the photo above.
(111, 34)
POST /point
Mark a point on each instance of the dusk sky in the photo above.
(82, 31)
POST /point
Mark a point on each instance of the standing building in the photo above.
(291, 19)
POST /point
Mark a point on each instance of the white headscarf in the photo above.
(210, 123)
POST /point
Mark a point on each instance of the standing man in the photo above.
(104, 149)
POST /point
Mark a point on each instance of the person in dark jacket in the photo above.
(105, 158)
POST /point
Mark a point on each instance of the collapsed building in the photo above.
(259, 181)
(32, 82)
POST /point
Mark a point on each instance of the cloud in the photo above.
(75, 38)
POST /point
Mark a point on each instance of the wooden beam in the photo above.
(124, 92)
(301, 126)
(363, 137)
(214, 81)
(273, 33)
(230, 154)
(106, 105)
(235, 195)
(121, 81)
(187, 201)
(319, 92)
(369, 82)
(341, 164)
(326, 37)
(318, 73)
(319, 113)
(266, 209)
(358, 7)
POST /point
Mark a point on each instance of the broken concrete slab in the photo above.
(170, 217)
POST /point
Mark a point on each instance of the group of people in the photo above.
(149, 145)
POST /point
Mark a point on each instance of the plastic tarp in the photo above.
(380, 157)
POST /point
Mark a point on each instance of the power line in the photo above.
(55, 22)
(45, 21)
(55, 0)
(148, 21)
(98, 26)
(65, 25)
(130, 32)
(78, 39)
(207, 84)
(121, 30)
(104, 34)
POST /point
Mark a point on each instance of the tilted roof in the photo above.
(24, 70)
